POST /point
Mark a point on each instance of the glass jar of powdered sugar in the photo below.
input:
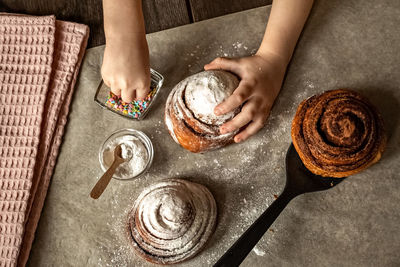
(137, 150)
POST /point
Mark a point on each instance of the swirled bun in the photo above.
(171, 221)
(189, 111)
(338, 133)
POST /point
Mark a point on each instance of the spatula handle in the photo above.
(239, 250)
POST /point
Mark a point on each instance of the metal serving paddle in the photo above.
(299, 180)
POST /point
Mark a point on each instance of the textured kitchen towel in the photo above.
(39, 63)
(70, 42)
(25, 67)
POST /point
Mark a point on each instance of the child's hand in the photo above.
(126, 68)
(261, 79)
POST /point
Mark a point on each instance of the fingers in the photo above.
(250, 130)
(107, 82)
(244, 117)
(223, 63)
(143, 90)
(128, 95)
(115, 88)
(240, 95)
(142, 93)
(256, 125)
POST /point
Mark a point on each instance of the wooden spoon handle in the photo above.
(102, 183)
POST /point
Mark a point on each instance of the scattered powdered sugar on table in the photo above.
(238, 45)
(119, 252)
(310, 84)
(202, 54)
(258, 251)
(133, 151)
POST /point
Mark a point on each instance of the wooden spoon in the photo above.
(102, 183)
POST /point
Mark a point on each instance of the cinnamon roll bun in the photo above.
(171, 221)
(338, 133)
(189, 111)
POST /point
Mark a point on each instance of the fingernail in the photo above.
(217, 111)
(238, 140)
(223, 130)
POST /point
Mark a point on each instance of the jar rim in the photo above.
(129, 132)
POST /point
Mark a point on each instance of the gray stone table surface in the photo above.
(352, 44)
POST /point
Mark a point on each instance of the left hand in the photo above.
(261, 79)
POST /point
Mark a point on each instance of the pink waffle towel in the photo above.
(39, 63)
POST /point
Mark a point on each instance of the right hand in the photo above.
(261, 77)
(126, 68)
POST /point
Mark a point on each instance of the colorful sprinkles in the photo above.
(133, 109)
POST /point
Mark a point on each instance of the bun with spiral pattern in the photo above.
(171, 221)
(338, 133)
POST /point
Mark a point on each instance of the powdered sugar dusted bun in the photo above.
(205, 90)
(171, 221)
(189, 112)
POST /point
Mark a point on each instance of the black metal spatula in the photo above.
(299, 180)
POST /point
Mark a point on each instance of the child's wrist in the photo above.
(268, 54)
(124, 35)
(133, 39)
(278, 60)
(279, 64)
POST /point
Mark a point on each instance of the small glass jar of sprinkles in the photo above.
(135, 110)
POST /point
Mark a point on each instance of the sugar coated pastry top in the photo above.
(189, 111)
(171, 221)
(205, 90)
